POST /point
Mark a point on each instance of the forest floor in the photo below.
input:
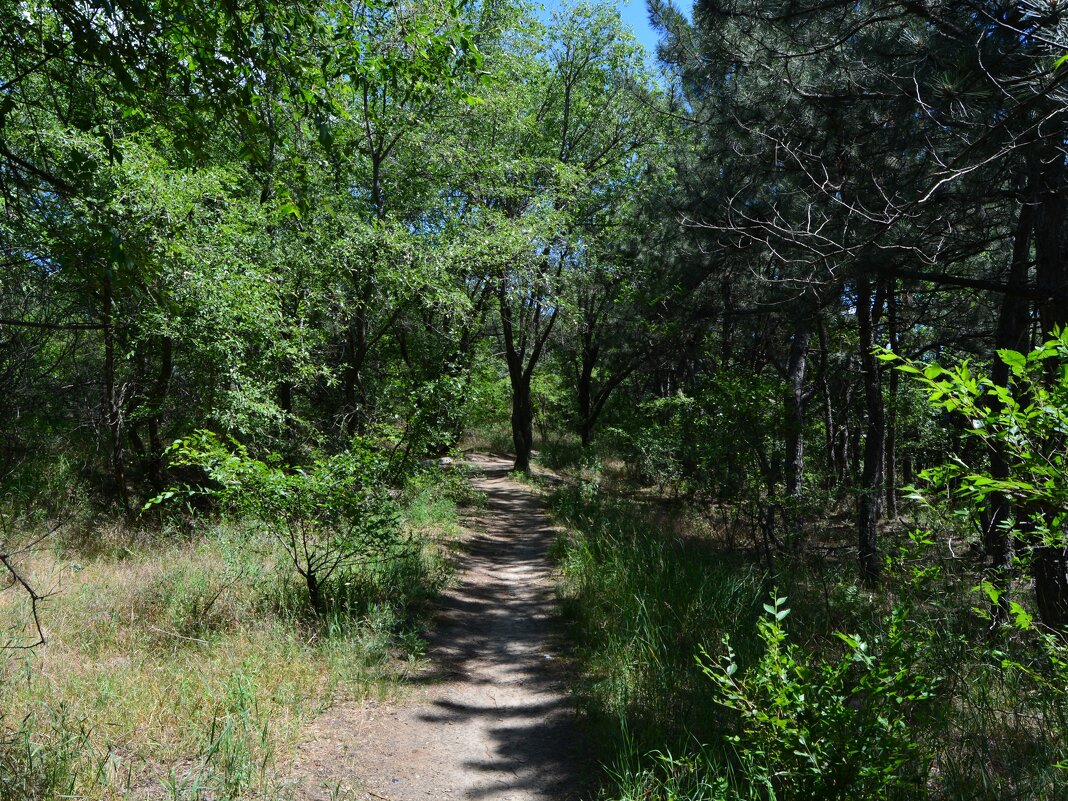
(488, 716)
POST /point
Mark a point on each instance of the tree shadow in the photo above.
(496, 650)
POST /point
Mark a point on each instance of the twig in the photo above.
(175, 634)
(35, 599)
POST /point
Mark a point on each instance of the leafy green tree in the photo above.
(1025, 421)
(329, 517)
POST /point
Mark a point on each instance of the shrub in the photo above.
(328, 516)
(1023, 492)
(837, 729)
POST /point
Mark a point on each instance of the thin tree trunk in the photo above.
(891, 415)
(356, 351)
(795, 424)
(830, 433)
(159, 396)
(112, 403)
(519, 378)
(585, 390)
(871, 481)
(726, 344)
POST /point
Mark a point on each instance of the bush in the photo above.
(329, 516)
(719, 442)
(838, 729)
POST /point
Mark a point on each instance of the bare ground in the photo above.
(489, 718)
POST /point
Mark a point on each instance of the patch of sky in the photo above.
(635, 15)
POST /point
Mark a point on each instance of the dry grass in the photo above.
(182, 669)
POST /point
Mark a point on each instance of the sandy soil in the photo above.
(489, 719)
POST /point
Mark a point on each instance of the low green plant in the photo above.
(840, 728)
(329, 516)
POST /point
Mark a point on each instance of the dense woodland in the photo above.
(785, 310)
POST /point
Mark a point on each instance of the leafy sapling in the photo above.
(329, 516)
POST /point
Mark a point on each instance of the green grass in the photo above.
(645, 586)
(186, 666)
(640, 601)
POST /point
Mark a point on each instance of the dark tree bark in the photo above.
(795, 417)
(591, 350)
(522, 425)
(1050, 563)
(159, 397)
(1013, 332)
(524, 342)
(891, 414)
(591, 402)
(1051, 240)
(868, 312)
(830, 438)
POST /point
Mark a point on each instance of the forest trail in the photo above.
(489, 719)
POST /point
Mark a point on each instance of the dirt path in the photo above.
(490, 719)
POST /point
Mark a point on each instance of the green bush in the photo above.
(720, 441)
(837, 729)
(329, 516)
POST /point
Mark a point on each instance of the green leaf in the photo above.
(1017, 361)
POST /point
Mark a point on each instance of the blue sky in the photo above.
(635, 14)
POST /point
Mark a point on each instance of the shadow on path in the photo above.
(491, 718)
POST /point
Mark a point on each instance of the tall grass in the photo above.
(185, 667)
(641, 599)
(643, 593)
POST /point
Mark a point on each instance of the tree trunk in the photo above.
(112, 402)
(585, 392)
(522, 351)
(356, 354)
(794, 471)
(726, 336)
(830, 435)
(1050, 563)
(159, 396)
(315, 593)
(795, 419)
(871, 481)
(891, 416)
(522, 425)
(1012, 333)
(1050, 568)
(1050, 217)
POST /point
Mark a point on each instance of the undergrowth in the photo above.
(182, 665)
(699, 685)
